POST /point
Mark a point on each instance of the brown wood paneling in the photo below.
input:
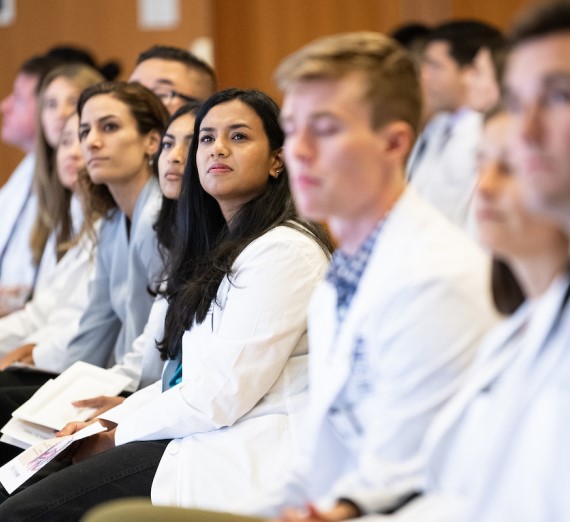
(252, 36)
(500, 13)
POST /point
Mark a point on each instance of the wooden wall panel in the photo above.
(250, 36)
(500, 13)
(108, 27)
(247, 52)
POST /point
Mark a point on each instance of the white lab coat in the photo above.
(142, 363)
(46, 269)
(18, 207)
(119, 298)
(420, 311)
(498, 451)
(51, 318)
(446, 173)
(234, 418)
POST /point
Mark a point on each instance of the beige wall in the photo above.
(250, 36)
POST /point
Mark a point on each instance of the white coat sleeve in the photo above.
(234, 357)
(142, 362)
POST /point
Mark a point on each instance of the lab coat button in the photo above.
(173, 448)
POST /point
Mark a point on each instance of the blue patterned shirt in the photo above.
(346, 271)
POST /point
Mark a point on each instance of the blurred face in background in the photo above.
(537, 96)
(506, 226)
(174, 154)
(173, 82)
(442, 78)
(483, 90)
(59, 100)
(69, 160)
(19, 113)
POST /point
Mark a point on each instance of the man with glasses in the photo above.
(174, 75)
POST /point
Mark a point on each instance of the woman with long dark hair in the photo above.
(225, 414)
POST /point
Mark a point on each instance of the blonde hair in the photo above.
(393, 88)
(53, 198)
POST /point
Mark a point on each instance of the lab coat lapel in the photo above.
(380, 275)
(482, 376)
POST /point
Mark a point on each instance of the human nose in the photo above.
(488, 181)
(219, 147)
(299, 145)
(177, 154)
(530, 125)
(92, 140)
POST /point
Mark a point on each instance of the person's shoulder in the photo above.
(431, 239)
(289, 240)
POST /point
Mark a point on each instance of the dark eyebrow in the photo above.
(555, 77)
(164, 81)
(103, 119)
(233, 126)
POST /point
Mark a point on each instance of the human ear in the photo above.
(399, 137)
(153, 142)
(277, 164)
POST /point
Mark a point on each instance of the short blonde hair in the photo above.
(393, 82)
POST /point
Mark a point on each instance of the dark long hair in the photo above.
(165, 225)
(206, 247)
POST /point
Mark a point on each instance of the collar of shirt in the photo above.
(346, 270)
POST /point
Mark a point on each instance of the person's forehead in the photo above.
(326, 94)
(156, 70)
(26, 83)
(537, 58)
(438, 49)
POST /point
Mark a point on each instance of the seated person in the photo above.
(226, 411)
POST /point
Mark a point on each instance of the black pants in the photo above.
(120, 472)
(11, 399)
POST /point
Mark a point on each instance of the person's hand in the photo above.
(13, 298)
(93, 445)
(342, 511)
(22, 354)
(85, 448)
(101, 403)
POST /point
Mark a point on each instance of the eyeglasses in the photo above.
(166, 96)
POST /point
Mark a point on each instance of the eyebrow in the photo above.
(555, 77)
(172, 137)
(233, 126)
(103, 119)
(312, 117)
(164, 81)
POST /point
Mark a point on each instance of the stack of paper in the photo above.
(50, 408)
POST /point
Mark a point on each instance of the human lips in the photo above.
(95, 160)
(219, 168)
(173, 175)
(304, 181)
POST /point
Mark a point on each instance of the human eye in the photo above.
(83, 132)
(167, 144)
(50, 103)
(110, 127)
(239, 136)
(557, 95)
(325, 127)
(206, 138)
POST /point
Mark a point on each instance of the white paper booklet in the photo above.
(50, 408)
(18, 470)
